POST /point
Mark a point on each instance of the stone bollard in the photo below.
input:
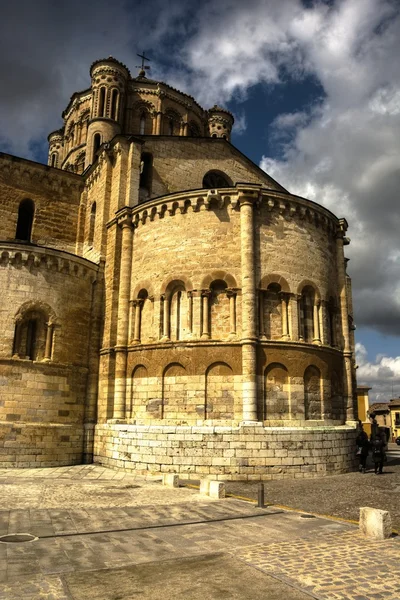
(204, 486)
(171, 480)
(216, 489)
(375, 523)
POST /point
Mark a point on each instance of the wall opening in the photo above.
(26, 213)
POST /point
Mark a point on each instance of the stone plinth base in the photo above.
(375, 523)
(227, 453)
(40, 445)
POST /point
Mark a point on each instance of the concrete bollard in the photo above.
(375, 523)
(216, 489)
(171, 480)
(204, 486)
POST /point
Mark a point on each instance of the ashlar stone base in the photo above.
(244, 452)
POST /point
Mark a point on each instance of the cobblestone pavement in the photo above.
(93, 519)
(341, 565)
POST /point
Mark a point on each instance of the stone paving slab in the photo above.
(341, 565)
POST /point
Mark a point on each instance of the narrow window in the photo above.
(96, 144)
(142, 128)
(31, 339)
(114, 105)
(146, 172)
(102, 101)
(54, 160)
(92, 223)
(170, 127)
(26, 212)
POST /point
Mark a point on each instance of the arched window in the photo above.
(114, 104)
(216, 179)
(146, 174)
(332, 310)
(102, 101)
(194, 130)
(33, 337)
(170, 127)
(142, 125)
(54, 160)
(92, 223)
(96, 144)
(26, 213)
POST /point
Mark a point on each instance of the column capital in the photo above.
(206, 293)
(231, 292)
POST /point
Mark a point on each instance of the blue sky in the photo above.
(314, 86)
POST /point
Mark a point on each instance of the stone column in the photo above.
(317, 335)
(166, 318)
(323, 322)
(125, 223)
(138, 316)
(190, 312)
(344, 315)
(284, 309)
(248, 198)
(300, 319)
(158, 123)
(261, 314)
(205, 330)
(49, 342)
(231, 294)
(293, 318)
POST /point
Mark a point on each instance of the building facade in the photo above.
(167, 305)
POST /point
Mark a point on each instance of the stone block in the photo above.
(375, 523)
(216, 489)
(204, 486)
(171, 480)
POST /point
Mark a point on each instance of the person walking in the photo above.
(362, 448)
(378, 445)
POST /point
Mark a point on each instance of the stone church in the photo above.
(166, 306)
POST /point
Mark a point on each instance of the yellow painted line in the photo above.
(291, 509)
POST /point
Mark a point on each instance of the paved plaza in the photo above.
(103, 534)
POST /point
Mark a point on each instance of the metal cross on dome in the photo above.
(143, 68)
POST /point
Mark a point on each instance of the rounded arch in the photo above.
(114, 103)
(173, 282)
(219, 368)
(227, 278)
(219, 392)
(36, 305)
(143, 286)
(274, 278)
(194, 129)
(307, 283)
(139, 371)
(216, 179)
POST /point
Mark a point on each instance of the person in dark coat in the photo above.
(378, 447)
(362, 448)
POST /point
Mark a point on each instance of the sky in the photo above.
(315, 89)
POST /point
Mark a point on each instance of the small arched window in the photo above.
(114, 105)
(307, 313)
(54, 160)
(26, 213)
(170, 127)
(102, 101)
(33, 338)
(142, 125)
(216, 179)
(92, 223)
(96, 144)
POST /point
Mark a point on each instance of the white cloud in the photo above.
(382, 375)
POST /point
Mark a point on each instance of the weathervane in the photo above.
(143, 68)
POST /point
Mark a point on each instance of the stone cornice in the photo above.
(23, 174)
(36, 258)
(287, 205)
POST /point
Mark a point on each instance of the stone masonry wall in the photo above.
(239, 453)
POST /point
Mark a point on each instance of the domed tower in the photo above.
(109, 83)
(220, 122)
(56, 148)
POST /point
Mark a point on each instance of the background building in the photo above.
(166, 304)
